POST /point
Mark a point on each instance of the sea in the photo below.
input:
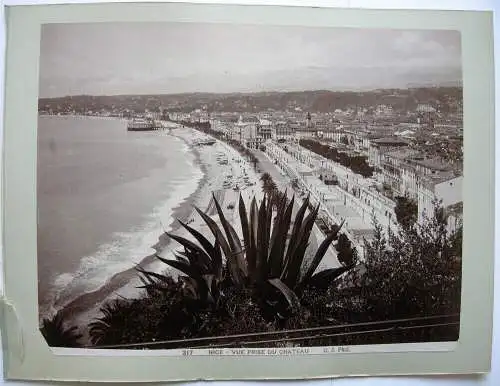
(104, 195)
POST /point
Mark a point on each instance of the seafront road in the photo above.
(283, 182)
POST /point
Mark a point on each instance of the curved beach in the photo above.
(84, 308)
(105, 197)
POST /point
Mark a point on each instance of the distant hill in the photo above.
(321, 101)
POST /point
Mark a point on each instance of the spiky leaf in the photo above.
(290, 296)
(320, 253)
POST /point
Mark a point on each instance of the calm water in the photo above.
(105, 195)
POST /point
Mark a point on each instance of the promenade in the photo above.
(283, 182)
(337, 201)
(367, 201)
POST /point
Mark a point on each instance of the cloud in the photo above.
(120, 58)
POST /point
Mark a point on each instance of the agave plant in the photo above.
(57, 334)
(272, 254)
(202, 266)
(276, 253)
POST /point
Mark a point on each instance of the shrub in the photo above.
(57, 334)
(414, 272)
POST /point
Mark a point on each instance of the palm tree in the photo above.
(265, 177)
(269, 187)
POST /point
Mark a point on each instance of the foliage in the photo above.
(406, 211)
(57, 334)
(357, 164)
(347, 254)
(167, 312)
(269, 187)
(413, 272)
(228, 286)
(264, 283)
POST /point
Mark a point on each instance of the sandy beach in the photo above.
(216, 175)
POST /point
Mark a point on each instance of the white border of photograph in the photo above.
(26, 350)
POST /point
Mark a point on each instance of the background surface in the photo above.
(491, 379)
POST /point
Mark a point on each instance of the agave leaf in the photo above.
(150, 274)
(207, 245)
(320, 253)
(262, 239)
(181, 256)
(282, 203)
(269, 221)
(290, 296)
(324, 278)
(253, 252)
(211, 283)
(197, 256)
(297, 257)
(277, 253)
(294, 237)
(217, 259)
(181, 266)
(235, 258)
(148, 284)
(254, 222)
(245, 228)
(239, 250)
(214, 228)
(275, 236)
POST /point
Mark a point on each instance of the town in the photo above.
(387, 155)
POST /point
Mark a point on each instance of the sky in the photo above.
(170, 58)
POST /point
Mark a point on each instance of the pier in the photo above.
(140, 124)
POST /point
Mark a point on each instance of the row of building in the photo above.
(400, 166)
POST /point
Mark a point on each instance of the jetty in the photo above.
(143, 124)
(205, 142)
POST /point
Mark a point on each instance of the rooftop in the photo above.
(433, 164)
(402, 154)
(431, 180)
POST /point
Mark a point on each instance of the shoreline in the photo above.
(83, 310)
(87, 305)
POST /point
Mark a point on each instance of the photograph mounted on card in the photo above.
(189, 182)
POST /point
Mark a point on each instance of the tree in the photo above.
(265, 177)
(269, 187)
(347, 255)
(406, 211)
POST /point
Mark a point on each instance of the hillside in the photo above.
(320, 101)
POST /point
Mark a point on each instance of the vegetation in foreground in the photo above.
(267, 283)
